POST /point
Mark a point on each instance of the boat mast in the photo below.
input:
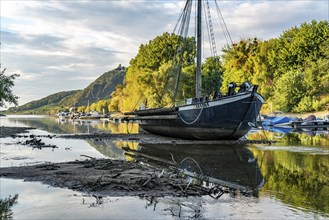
(198, 58)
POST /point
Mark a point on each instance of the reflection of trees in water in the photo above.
(47, 124)
(297, 179)
(112, 149)
(107, 148)
(119, 128)
(306, 138)
(5, 207)
(58, 126)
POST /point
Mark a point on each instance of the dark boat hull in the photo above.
(229, 118)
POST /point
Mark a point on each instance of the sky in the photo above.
(63, 45)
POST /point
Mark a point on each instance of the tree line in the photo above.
(292, 71)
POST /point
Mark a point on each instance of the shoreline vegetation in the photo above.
(320, 114)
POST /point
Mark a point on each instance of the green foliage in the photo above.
(156, 85)
(6, 84)
(288, 91)
(292, 71)
(152, 75)
(305, 104)
(211, 75)
(81, 109)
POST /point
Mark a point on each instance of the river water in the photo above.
(285, 180)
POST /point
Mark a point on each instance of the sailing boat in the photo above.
(224, 117)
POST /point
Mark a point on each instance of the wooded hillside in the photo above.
(98, 90)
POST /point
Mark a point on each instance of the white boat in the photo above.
(93, 115)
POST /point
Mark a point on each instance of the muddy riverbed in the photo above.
(108, 177)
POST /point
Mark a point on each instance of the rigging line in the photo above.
(220, 13)
(208, 31)
(180, 17)
(185, 20)
(222, 27)
(195, 18)
(211, 30)
(183, 33)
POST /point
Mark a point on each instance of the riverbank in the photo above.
(145, 139)
(319, 114)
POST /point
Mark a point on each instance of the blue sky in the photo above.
(66, 44)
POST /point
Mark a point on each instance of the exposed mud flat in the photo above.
(148, 139)
(10, 131)
(108, 177)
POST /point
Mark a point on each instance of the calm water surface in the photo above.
(289, 179)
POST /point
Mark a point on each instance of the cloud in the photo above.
(63, 45)
(268, 19)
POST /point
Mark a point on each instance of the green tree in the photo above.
(289, 91)
(81, 108)
(6, 84)
(300, 51)
(239, 62)
(211, 75)
(151, 76)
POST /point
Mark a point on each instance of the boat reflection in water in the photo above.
(220, 168)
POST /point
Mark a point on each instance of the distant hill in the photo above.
(51, 100)
(101, 88)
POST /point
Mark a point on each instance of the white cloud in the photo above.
(64, 45)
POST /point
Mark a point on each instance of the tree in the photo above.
(211, 75)
(294, 66)
(6, 84)
(289, 91)
(151, 76)
(81, 108)
(239, 62)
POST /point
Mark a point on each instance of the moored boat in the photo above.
(224, 117)
(229, 117)
(93, 115)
